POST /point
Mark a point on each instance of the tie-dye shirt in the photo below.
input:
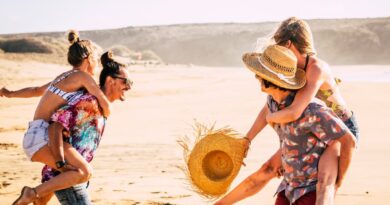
(302, 143)
(85, 123)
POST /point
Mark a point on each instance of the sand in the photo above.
(138, 158)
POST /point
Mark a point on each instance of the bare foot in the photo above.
(27, 195)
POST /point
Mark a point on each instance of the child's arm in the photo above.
(24, 92)
(92, 87)
(314, 80)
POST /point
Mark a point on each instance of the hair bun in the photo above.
(107, 57)
(73, 36)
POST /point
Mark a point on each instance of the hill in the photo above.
(338, 41)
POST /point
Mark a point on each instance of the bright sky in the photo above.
(19, 16)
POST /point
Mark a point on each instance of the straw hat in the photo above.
(214, 161)
(278, 65)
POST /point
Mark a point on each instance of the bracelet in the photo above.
(248, 140)
(60, 164)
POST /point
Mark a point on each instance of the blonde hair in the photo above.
(79, 49)
(298, 32)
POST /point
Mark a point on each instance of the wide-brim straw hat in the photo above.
(278, 65)
(214, 161)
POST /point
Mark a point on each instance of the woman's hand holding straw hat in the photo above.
(247, 144)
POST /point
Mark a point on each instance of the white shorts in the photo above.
(36, 137)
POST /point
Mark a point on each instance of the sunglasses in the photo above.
(127, 81)
(266, 83)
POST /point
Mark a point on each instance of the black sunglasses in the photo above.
(266, 83)
(127, 81)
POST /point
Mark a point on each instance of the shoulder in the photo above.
(314, 108)
(87, 102)
(316, 70)
(320, 111)
(317, 65)
(87, 98)
(80, 75)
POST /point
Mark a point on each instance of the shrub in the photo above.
(150, 55)
(120, 50)
(25, 45)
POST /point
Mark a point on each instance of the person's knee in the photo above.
(266, 172)
(326, 181)
(269, 170)
(43, 200)
(85, 173)
(327, 178)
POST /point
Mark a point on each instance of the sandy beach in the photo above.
(138, 158)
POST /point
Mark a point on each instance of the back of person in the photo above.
(65, 88)
(329, 91)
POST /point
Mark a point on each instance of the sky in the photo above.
(22, 16)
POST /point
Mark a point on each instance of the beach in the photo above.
(138, 160)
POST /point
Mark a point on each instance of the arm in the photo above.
(347, 148)
(259, 124)
(89, 83)
(255, 182)
(25, 92)
(314, 80)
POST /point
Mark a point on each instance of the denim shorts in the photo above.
(351, 123)
(76, 195)
(36, 137)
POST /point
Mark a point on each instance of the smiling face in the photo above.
(119, 84)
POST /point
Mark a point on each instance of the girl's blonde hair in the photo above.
(298, 32)
(79, 49)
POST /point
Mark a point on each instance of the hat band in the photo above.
(280, 75)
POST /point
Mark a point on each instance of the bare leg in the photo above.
(62, 181)
(327, 174)
(43, 200)
(255, 182)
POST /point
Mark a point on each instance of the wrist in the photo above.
(60, 164)
(249, 140)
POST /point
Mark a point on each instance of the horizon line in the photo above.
(183, 24)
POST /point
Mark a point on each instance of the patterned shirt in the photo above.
(85, 123)
(302, 143)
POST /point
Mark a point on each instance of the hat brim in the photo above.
(233, 150)
(253, 63)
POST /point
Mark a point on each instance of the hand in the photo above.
(268, 117)
(280, 172)
(247, 144)
(338, 183)
(4, 92)
(65, 133)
